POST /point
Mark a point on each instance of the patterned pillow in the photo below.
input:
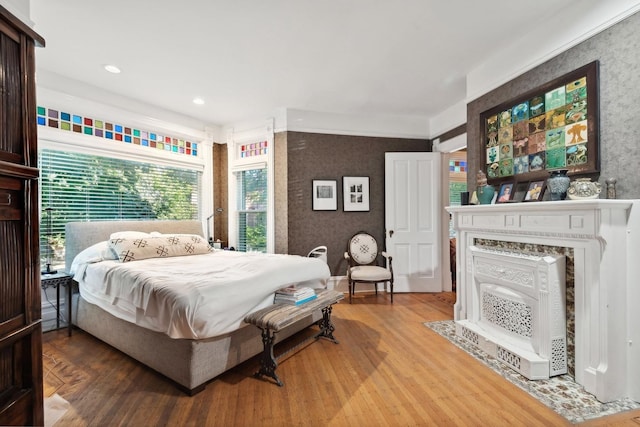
(167, 245)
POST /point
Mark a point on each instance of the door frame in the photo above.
(456, 143)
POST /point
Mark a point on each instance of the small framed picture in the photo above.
(534, 191)
(355, 190)
(325, 197)
(520, 191)
(506, 192)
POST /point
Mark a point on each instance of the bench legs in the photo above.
(326, 327)
(268, 363)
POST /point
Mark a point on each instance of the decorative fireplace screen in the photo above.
(518, 310)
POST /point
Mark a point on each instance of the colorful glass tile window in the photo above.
(459, 166)
(99, 128)
(253, 149)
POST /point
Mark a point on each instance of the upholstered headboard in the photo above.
(81, 235)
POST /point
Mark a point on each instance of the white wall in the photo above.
(291, 119)
(542, 43)
(21, 9)
(559, 34)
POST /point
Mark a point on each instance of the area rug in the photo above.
(560, 393)
(54, 408)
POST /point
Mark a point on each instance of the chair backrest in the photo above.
(363, 248)
(319, 252)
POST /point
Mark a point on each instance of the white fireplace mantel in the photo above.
(605, 238)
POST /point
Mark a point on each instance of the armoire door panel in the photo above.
(21, 400)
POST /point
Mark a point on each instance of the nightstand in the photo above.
(56, 280)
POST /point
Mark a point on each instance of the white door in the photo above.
(412, 220)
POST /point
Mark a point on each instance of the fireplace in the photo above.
(604, 237)
(519, 308)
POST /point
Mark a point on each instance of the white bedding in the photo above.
(198, 296)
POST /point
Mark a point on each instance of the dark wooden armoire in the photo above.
(21, 393)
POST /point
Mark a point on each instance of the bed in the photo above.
(194, 345)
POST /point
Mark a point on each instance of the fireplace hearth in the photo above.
(519, 309)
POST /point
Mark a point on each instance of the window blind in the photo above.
(252, 210)
(81, 187)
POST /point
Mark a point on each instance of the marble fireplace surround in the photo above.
(605, 238)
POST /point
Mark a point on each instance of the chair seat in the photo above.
(370, 273)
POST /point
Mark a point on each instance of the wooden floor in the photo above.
(388, 370)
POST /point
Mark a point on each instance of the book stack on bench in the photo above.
(294, 296)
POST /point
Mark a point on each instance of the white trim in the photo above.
(456, 143)
(271, 190)
(249, 166)
(246, 133)
(205, 207)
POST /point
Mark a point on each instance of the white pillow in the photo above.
(168, 245)
(128, 235)
(159, 234)
(95, 253)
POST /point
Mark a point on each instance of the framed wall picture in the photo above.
(325, 196)
(355, 191)
(554, 126)
(506, 192)
(535, 191)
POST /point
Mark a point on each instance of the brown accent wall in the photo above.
(617, 50)
(220, 192)
(281, 197)
(312, 156)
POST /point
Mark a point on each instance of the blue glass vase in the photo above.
(485, 194)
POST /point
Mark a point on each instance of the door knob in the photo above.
(390, 233)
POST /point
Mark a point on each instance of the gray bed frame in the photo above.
(189, 363)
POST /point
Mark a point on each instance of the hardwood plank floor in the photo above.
(388, 370)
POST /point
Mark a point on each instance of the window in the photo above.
(457, 180)
(82, 187)
(252, 210)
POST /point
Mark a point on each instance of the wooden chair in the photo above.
(362, 255)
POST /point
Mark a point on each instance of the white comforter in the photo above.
(198, 296)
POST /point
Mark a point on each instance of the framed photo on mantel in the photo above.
(554, 126)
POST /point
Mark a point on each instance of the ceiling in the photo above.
(248, 58)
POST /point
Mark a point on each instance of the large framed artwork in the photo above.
(552, 127)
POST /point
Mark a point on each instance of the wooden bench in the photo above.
(276, 317)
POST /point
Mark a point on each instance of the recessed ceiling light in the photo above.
(198, 101)
(112, 69)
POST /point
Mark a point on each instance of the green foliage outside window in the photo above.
(81, 187)
(252, 210)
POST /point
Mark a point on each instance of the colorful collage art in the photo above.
(548, 131)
